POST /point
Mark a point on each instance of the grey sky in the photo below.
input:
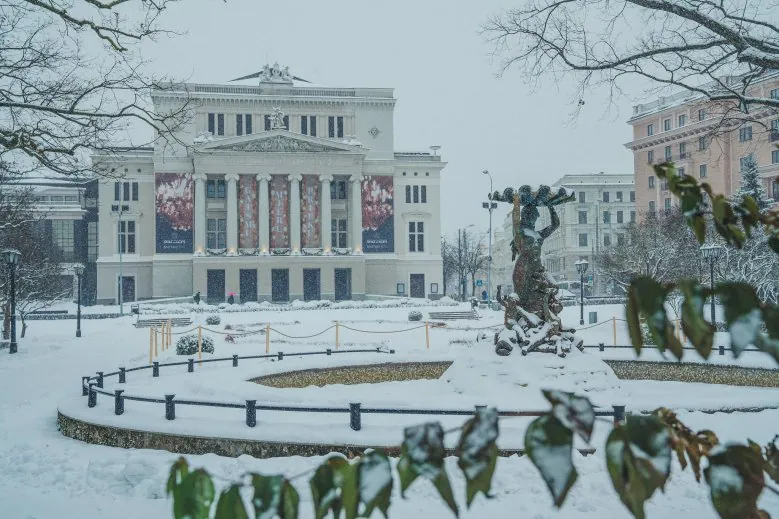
(430, 51)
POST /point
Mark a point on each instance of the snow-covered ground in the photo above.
(44, 474)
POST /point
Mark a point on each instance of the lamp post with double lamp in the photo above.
(11, 258)
(489, 206)
(712, 253)
(581, 268)
(79, 270)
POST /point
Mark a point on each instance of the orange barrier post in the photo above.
(267, 338)
(614, 327)
(427, 334)
(156, 351)
(151, 346)
(170, 332)
(199, 343)
(337, 335)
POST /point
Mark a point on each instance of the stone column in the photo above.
(232, 214)
(324, 216)
(263, 207)
(356, 213)
(200, 214)
(294, 212)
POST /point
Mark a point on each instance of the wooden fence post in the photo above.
(170, 332)
(427, 334)
(337, 335)
(156, 351)
(199, 343)
(267, 338)
(151, 346)
(614, 327)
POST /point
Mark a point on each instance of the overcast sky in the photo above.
(444, 77)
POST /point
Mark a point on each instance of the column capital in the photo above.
(295, 177)
(326, 178)
(263, 177)
(200, 176)
(232, 177)
(355, 178)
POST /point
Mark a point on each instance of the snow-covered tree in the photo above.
(751, 184)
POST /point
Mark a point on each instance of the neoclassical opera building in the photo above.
(276, 190)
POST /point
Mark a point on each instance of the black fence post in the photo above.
(251, 413)
(122, 375)
(235, 361)
(722, 350)
(99, 379)
(92, 400)
(190, 365)
(392, 352)
(355, 417)
(480, 408)
(118, 401)
(85, 386)
(170, 407)
(601, 346)
(329, 351)
(155, 369)
(619, 414)
(281, 355)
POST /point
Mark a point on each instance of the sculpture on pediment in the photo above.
(276, 143)
(531, 321)
(277, 120)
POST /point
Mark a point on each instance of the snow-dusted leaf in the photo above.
(178, 471)
(332, 482)
(735, 477)
(742, 314)
(230, 504)
(698, 330)
(549, 445)
(769, 342)
(772, 459)
(375, 482)
(574, 412)
(638, 456)
(478, 452)
(274, 497)
(422, 454)
(192, 499)
(290, 502)
(686, 443)
(648, 297)
(634, 323)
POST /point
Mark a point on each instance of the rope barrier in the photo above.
(387, 331)
(302, 336)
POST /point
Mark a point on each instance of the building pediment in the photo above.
(279, 141)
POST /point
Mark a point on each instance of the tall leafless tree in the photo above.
(715, 50)
(474, 256)
(72, 81)
(449, 260)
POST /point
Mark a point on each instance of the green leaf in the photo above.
(422, 454)
(178, 471)
(478, 453)
(230, 504)
(375, 482)
(346, 479)
(192, 499)
(697, 329)
(324, 491)
(574, 412)
(549, 445)
(742, 314)
(290, 502)
(735, 477)
(769, 343)
(267, 495)
(638, 457)
(772, 460)
(634, 323)
(648, 296)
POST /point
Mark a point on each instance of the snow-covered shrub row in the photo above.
(213, 319)
(415, 315)
(595, 301)
(186, 308)
(187, 345)
(61, 317)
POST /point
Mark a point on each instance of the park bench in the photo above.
(157, 322)
(453, 316)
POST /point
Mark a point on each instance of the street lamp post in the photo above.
(79, 270)
(581, 268)
(712, 253)
(11, 258)
(489, 206)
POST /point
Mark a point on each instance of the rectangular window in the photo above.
(582, 216)
(248, 124)
(408, 194)
(335, 126)
(416, 237)
(211, 124)
(216, 233)
(652, 206)
(304, 124)
(126, 191)
(682, 120)
(267, 123)
(215, 188)
(127, 237)
(667, 203)
(620, 239)
(135, 191)
(745, 134)
(239, 124)
(775, 93)
(606, 240)
(220, 124)
(117, 191)
(651, 181)
(632, 196)
(664, 184)
(703, 170)
(632, 217)
(338, 190)
(650, 156)
(582, 198)
(416, 194)
(701, 114)
(619, 196)
(583, 240)
(681, 172)
(91, 241)
(331, 127)
(605, 196)
(340, 126)
(775, 125)
(606, 217)
(286, 122)
(620, 216)
(650, 129)
(62, 236)
(703, 143)
(775, 157)
(682, 149)
(668, 153)
(338, 233)
(666, 125)
(308, 125)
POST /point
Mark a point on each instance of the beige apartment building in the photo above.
(686, 128)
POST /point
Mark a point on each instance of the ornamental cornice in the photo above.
(232, 177)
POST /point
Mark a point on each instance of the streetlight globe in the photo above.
(11, 256)
(581, 266)
(79, 270)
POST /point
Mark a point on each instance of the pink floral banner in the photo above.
(310, 223)
(279, 212)
(174, 201)
(378, 214)
(247, 212)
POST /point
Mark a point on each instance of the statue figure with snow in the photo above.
(531, 322)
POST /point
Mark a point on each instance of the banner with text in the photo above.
(310, 225)
(378, 216)
(279, 212)
(247, 213)
(174, 202)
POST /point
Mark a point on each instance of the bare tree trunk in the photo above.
(24, 326)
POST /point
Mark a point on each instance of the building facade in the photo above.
(689, 131)
(274, 191)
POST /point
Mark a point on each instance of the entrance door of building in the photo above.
(128, 289)
(312, 290)
(279, 285)
(248, 285)
(343, 284)
(215, 286)
(417, 285)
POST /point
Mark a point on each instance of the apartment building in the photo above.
(688, 129)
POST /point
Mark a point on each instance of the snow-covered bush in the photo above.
(213, 319)
(415, 315)
(187, 345)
